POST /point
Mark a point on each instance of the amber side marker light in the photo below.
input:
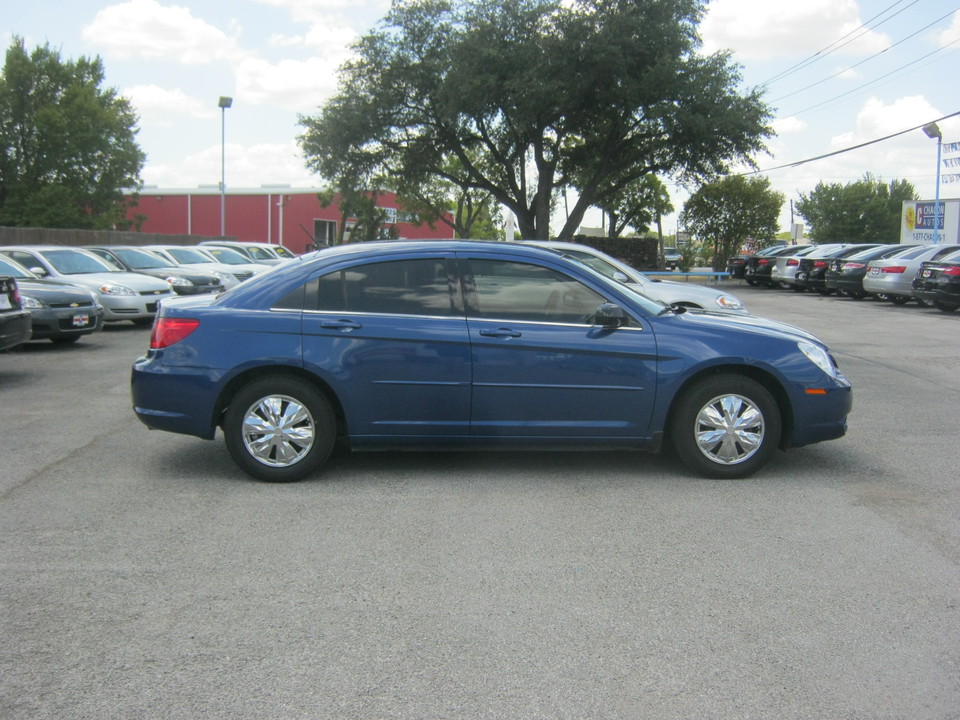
(815, 391)
(167, 331)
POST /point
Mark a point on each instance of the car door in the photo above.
(391, 339)
(541, 368)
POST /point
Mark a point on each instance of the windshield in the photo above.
(225, 255)
(259, 253)
(75, 262)
(140, 259)
(187, 255)
(9, 267)
(283, 252)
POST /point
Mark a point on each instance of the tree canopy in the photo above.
(530, 97)
(67, 145)
(867, 210)
(728, 211)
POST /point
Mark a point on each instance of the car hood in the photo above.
(134, 281)
(53, 290)
(669, 292)
(748, 323)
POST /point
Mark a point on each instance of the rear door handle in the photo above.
(340, 325)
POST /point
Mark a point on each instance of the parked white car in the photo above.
(123, 295)
(229, 262)
(669, 292)
(265, 253)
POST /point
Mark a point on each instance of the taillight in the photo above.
(167, 331)
(817, 264)
(763, 262)
(793, 261)
(894, 269)
(853, 266)
(951, 271)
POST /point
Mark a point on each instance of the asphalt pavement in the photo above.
(144, 576)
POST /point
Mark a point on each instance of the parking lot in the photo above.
(144, 576)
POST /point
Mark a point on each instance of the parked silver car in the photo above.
(124, 295)
(892, 278)
(784, 273)
(193, 257)
(669, 292)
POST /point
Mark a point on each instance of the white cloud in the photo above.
(760, 29)
(147, 29)
(788, 125)
(247, 167)
(952, 33)
(163, 106)
(298, 85)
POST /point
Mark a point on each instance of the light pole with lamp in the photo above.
(224, 103)
(933, 131)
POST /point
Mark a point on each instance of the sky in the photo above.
(837, 74)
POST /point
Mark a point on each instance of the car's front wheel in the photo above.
(725, 426)
(279, 429)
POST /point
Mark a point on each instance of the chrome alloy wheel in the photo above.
(278, 430)
(729, 429)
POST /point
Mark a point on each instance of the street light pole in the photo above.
(223, 104)
(933, 131)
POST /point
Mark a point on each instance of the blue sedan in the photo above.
(469, 345)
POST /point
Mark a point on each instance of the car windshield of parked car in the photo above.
(605, 268)
(952, 257)
(141, 259)
(259, 253)
(228, 256)
(15, 269)
(281, 251)
(76, 262)
(187, 255)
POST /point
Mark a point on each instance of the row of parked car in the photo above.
(928, 274)
(60, 293)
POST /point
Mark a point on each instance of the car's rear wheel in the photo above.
(946, 306)
(725, 426)
(898, 299)
(279, 429)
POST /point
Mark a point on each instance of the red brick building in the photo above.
(290, 217)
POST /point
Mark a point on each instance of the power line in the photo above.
(849, 149)
(839, 43)
(865, 60)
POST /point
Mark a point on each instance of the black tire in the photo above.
(751, 282)
(64, 339)
(745, 434)
(945, 306)
(303, 421)
(898, 299)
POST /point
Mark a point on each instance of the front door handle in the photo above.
(500, 333)
(340, 325)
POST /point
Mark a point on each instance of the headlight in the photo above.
(819, 357)
(729, 302)
(31, 303)
(179, 281)
(108, 289)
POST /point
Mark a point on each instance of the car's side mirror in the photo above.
(620, 276)
(42, 272)
(610, 315)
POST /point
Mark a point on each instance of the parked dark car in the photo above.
(761, 263)
(14, 320)
(813, 267)
(184, 281)
(737, 265)
(471, 344)
(59, 312)
(845, 274)
(938, 282)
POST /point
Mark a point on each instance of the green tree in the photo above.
(535, 96)
(725, 213)
(637, 205)
(867, 210)
(67, 145)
